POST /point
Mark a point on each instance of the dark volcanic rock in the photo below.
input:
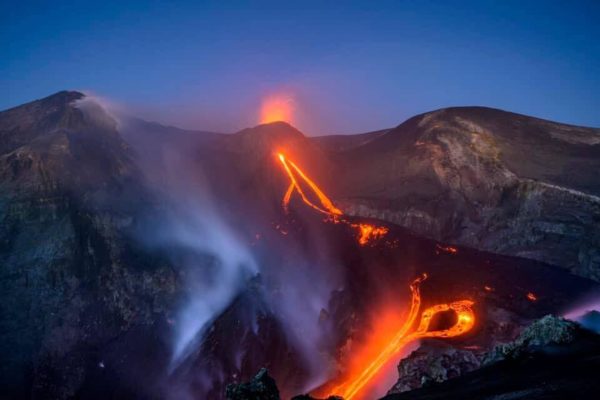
(552, 359)
(72, 281)
(434, 363)
(545, 332)
(261, 387)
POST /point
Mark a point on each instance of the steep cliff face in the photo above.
(70, 281)
(484, 178)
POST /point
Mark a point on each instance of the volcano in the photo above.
(145, 261)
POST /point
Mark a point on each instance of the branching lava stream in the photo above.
(366, 232)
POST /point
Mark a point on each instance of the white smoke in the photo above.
(301, 304)
(218, 264)
(211, 289)
(99, 110)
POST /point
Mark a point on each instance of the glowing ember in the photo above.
(464, 322)
(276, 108)
(531, 297)
(366, 232)
(488, 288)
(446, 249)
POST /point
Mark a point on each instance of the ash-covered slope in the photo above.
(346, 142)
(484, 178)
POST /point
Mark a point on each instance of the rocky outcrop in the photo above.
(261, 387)
(541, 348)
(547, 331)
(434, 364)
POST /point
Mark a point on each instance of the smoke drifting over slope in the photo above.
(215, 264)
(222, 248)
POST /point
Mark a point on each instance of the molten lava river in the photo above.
(367, 364)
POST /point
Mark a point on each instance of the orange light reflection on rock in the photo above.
(465, 320)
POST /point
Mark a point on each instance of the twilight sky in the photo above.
(343, 66)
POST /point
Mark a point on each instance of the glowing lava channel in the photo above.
(464, 322)
(366, 232)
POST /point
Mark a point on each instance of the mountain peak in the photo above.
(64, 95)
(58, 99)
(271, 133)
(272, 128)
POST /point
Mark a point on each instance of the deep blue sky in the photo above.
(349, 68)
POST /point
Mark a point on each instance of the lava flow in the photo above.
(366, 232)
(464, 322)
